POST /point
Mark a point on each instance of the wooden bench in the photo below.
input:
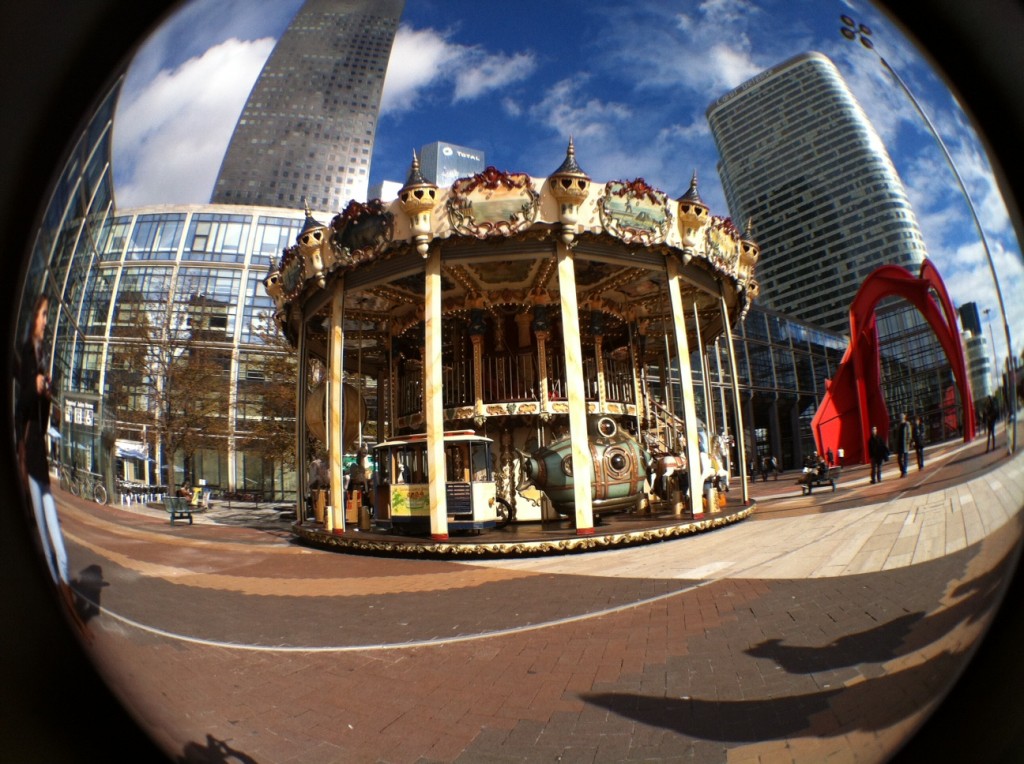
(178, 508)
(810, 480)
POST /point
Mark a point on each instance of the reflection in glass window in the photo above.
(112, 237)
(217, 237)
(156, 237)
(273, 235)
(141, 300)
(258, 313)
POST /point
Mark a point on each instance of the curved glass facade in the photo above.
(800, 159)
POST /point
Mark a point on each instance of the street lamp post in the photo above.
(852, 30)
(995, 358)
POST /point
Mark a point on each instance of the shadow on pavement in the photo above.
(826, 713)
(214, 752)
(898, 637)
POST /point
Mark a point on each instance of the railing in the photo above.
(457, 383)
(664, 431)
(508, 378)
(618, 380)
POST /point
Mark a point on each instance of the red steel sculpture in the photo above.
(853, 401)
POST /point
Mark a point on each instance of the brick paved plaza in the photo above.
(822, 628)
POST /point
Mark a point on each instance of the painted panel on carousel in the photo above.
(410, 500)
(634, 212)
(621, 467)
(361, 231)
(292, 273)
(723, 244)
(493, 203)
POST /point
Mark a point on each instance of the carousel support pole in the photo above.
(694, 468)
(635, 364)
(335, 446)
(582, 463)
(433, 402)
(477, 329)
(741, 449)
(540, 332)
(300, 427)
(705, 377)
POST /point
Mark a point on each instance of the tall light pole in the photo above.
(995, 358)
(851, 30)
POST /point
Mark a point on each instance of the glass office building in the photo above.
(800, 159)
(444, 163)
(108, 273)
(782, 365)
(306, 132)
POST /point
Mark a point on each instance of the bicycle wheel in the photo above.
(99, 493)
(74, 487)
(64, 482)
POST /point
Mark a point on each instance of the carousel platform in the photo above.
(529, 538)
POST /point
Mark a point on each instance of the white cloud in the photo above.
(706, 52)
(170, 136)
(567, 111)
(422, 59)
(491, 72)
(419, 59)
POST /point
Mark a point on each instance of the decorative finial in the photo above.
(691, 195)
(415, 176)
(569, 166)
(418, 197)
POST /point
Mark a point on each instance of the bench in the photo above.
(810, 480)
(178, 508)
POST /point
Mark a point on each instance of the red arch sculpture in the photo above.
(853, 401)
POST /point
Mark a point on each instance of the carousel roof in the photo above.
(497, 233)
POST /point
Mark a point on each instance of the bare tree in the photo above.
(267, 398)
(170, 371)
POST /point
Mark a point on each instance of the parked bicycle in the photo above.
(82, 483)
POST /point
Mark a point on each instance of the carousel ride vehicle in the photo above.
(543, 325)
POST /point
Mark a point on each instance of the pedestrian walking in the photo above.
(991, 417)
(33, 420)
(919, 437)
(878, 452)
(904, 438)
(830, 458)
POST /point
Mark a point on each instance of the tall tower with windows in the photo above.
(801, 160)
(307, 130)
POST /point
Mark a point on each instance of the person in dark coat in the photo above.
(991, 417)
(878, 452)
(33, 420)
(904, 439)
(919, 438)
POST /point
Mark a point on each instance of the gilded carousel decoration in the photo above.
(492, 203)
(504, 365)
(634, 211)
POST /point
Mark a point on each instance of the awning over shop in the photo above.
(131, 449)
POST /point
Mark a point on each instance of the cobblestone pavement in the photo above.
(823, 628)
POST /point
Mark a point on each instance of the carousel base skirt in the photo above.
(523, 539)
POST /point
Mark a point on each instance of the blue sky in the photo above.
(629, 81)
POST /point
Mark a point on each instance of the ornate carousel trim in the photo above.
(493, 203)
(634, 212)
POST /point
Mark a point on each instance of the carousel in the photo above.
(515, 364)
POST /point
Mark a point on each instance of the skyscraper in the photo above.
(307, 129)
(970, 320)
(444, 163)
(801, 161)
